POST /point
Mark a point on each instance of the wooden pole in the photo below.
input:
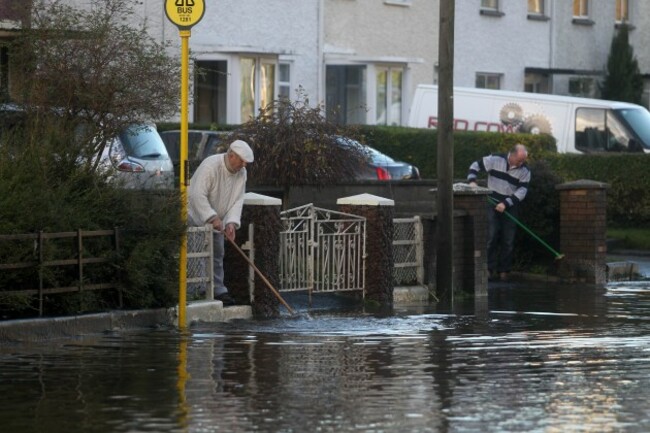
(445, 162)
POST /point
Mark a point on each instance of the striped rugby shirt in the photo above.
(509, 185)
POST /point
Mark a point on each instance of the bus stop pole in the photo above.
(184, 178)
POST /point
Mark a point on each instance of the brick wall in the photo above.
(583, 231)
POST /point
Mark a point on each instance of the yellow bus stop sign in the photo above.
(184, 13)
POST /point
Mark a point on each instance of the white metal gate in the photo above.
(408, 252)
(322, 250)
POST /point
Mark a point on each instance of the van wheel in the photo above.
(511, 114)
(536, 124)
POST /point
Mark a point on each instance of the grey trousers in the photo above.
(217, 263)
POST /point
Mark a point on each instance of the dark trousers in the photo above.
(501, 239)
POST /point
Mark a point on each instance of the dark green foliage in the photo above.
(540, 212)
(628, 197)
(294, 144)
(43, 188)
(114, 74)
(152, 230)
(419, 146)
(623, 79)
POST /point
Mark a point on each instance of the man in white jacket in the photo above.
(216, 196)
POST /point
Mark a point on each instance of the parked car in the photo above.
(381, 166)
(200, 145)
(135, 158)
(138, 158)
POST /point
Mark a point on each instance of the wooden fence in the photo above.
(77, 254)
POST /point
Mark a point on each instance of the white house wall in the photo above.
(503, 45)
(315, 33)
(381, 32)
(286, 29)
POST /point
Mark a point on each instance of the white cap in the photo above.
(242, 149)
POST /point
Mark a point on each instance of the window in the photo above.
(536, 7)
(622, 11)
(284, 81)
(536, 83)
(345, 94)
(488, 81)
(490, 5)
(210, 92)
(599, 130)
(257, 86)
(581, 86)
(490, 8)
(581, 9)
(389, 96)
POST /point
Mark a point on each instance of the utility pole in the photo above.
(445, 162)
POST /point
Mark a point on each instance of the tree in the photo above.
(94, 67)
(79, 76)
(295, 144)
(623, 80)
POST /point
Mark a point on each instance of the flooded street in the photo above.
(530, 359)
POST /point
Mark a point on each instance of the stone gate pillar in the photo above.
(583, 227)
(378, 212)
(472, 251)
(263, 213)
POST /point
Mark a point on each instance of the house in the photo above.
(362, 59)
(545, 46)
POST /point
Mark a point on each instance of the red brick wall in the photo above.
(583, 231)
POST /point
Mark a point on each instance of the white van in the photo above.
(579, 125)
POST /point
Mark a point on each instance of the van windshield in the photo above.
(639, 121)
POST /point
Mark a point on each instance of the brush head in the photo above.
(559, 257)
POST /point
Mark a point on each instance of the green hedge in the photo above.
(419, 146)
(629, 187)
(628, 195)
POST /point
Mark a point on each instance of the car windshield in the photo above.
(639, 121)
(378, 157)
(375, 156)
(142, 141)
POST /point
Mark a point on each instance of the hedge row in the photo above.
(628, 195)
(629, 187)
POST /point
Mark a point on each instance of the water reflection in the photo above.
(541, 359)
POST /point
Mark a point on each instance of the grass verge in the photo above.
(630, 238)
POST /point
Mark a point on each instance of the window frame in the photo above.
(583, 8)
(493, 6)
(284, 84)
(389, 95)
(539, 10)
(263, 91)
(487, 76)
(622, 12)
(492, 9)
(346, 87)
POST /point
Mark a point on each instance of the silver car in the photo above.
(137, 158)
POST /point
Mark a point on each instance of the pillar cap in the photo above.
(464, 188)
(254, 199)
(582, 184)
(366, 200)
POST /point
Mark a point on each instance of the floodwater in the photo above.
(530, 359)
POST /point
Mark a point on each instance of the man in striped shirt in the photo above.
(508, 179)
